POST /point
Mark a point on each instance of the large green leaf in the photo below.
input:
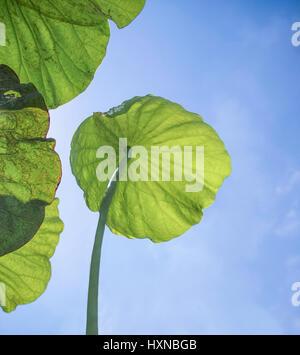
(29, 167)
(58, 45)
(159, 210)
(26, 272)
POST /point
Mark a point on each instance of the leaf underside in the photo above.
(58, 45)
(157, 210)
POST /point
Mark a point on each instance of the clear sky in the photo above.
(231, 61)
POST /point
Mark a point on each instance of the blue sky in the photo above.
(232, 62)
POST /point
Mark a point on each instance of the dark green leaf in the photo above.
(19, 222)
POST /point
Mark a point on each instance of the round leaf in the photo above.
(159, 210)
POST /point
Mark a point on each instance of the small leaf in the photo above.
(26, 272)
(19, 222)
(159, 210)
(58, 45)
